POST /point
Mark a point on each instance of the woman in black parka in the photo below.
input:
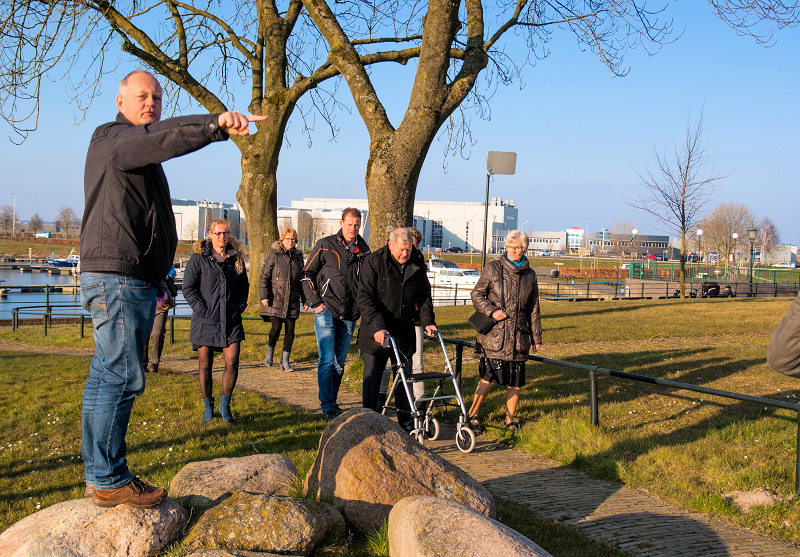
(215, 285)
(281, 294)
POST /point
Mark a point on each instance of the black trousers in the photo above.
(275, 331)
(370, 388)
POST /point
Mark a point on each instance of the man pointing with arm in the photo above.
(128, 241)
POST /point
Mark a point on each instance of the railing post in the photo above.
(558, 289)
(44, 321)
(14, 319)
(587, 288)
(455, 295)
(593, 413)
(47, 304)
(642, 289)
(81, 325)
(172, 328)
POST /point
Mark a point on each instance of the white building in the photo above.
(192, 218)
(443, 224)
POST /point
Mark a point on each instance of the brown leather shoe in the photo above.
(89, 491)
(137, 494)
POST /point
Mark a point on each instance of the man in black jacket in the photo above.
(329, 280)
(394, 294)
(128, 241)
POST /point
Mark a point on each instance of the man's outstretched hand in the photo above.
(236, 123)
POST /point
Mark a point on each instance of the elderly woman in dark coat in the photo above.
(215, 285)
(281, 293)
(504, 350)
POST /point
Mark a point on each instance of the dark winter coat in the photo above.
(279, 283)
(128, 226)
(331, 273)
(393, 302)
(783, 354)
(218, 296)
(510, 339)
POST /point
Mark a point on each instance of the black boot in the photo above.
(381, 402)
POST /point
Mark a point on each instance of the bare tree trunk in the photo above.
(682, 259)
(391, 181)
(257, 193)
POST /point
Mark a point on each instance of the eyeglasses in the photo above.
(218, 234)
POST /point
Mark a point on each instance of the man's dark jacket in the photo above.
(331, 273)
(218, 296)
(783, 353)
(391, 301)
(128, 226)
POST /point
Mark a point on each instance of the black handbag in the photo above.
(482, 323)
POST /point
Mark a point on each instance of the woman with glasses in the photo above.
(281, 294)
(215, 285)
(508, 292)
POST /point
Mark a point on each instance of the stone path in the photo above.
(631, 519)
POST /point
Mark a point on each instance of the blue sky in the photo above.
(581, 136)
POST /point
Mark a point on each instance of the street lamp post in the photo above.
(751, 235)
(14, 215)
(497, 162)
(735, 237)
(699, 240)
(634, 232)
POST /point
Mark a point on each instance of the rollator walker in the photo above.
(426, 426)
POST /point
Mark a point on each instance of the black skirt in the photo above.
(502, 372)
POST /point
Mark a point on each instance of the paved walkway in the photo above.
(631, 519)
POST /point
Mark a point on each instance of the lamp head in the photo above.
(751, 233)
(699, 231)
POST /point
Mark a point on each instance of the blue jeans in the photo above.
(333, 344)
(122, 310)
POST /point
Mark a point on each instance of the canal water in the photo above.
(62, 301)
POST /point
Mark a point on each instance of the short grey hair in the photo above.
(124, 82)
(400, 235)
(518, 236)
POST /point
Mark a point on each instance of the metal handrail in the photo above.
(593, 399)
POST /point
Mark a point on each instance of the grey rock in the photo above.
(79, 528)
(258, 522)
(366, 464)
(426, 526)
(199, 485)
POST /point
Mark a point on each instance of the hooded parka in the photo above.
(218, 296)
(279, 283)
(510, 339)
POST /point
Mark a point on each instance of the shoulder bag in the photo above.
(482, 323)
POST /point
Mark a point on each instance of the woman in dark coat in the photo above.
(504, 350)
(281, 294)
(215, 285)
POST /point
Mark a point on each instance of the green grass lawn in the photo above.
(686, 447)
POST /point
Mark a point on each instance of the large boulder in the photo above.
(366, 464)
(258, 522)
(199, 485)
(79, 527)
(422, 526)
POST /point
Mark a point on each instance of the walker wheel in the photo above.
(430, 428)
(465, 439)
